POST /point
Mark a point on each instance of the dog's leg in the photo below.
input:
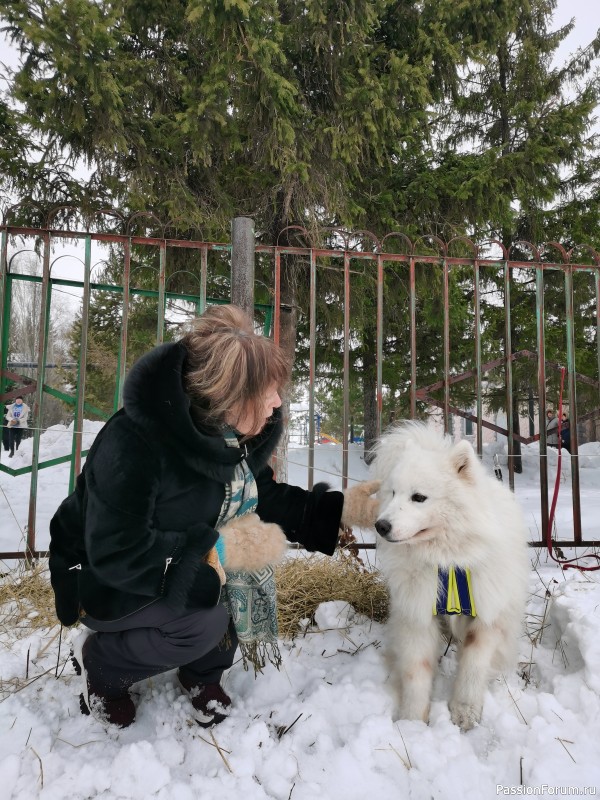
(413, 655)
(476, 654)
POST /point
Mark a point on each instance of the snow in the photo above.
(322, 726)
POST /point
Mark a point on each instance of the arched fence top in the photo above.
(170, 279)
(555, 246)
(527, 246)
(29, 217)
(398, 235)
(490, 243)
(145, 216)
(435, 240)
(284, 232)
(587, 248)
(464, 240)
(11, 212)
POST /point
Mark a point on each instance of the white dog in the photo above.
(451, 536)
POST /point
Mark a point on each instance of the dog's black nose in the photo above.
(383, 527)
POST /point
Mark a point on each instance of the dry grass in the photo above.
(306, 581)
(26, 599)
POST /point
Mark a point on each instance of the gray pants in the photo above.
(155, 639)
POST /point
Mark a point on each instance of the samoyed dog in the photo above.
(452, 547)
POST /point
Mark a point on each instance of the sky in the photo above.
(540, 730)
(587, 22)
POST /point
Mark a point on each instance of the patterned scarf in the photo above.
(250, 597)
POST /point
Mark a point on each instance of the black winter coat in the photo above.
(141, 518)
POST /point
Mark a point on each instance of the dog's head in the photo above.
(423, 475)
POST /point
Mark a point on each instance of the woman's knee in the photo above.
(206, 624)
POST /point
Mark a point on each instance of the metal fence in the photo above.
(396, 273)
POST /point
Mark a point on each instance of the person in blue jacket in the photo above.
(17, 414)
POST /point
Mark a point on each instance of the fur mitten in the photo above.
(360, 509)
(247, 543)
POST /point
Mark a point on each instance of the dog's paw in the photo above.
(464, 715)
(412, 711)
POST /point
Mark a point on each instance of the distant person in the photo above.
(5, 444)
(17, 415)
(551, 429)
(565, 433)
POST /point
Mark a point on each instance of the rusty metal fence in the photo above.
(394, 285)
(522, 263)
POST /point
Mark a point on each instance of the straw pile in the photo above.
(306, 581)
(26, 599)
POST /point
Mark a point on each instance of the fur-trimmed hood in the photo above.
(155, 400)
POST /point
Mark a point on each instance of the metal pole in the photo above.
(5, 302)
(570, 314)
(479, 377)
(81, 369)
(242, 263)
(413, 337)
(312, 369)
(277, 316)
(380, 279)
(597, 277)
(201, 307)
(42, 349)
(508, 373)
(446, 348)
(541, 349)
(346, 389)
(162, 298)
(122, 358)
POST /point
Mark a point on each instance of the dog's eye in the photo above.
(393, 493)
(418, 498)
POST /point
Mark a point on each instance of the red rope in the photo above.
(567, 563)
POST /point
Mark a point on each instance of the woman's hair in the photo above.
(229, 367)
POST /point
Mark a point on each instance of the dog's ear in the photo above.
(463, 460)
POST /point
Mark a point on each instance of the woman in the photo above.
(135, 553)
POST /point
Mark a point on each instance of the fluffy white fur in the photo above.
(468, 519)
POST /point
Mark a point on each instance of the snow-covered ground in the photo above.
(322, 726)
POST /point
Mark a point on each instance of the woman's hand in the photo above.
(213, 560)
(249, 544)
(360, 509)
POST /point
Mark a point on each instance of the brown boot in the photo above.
(210, 700)
(115, 709)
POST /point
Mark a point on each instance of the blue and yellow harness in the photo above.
(454, 592)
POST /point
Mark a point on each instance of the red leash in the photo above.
(567, 563)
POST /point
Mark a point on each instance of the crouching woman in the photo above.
(164, 549)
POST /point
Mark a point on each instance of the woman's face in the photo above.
(266, 404)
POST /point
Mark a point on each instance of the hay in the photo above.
(306, 581)
(26, 599)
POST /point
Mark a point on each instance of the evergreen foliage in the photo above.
(443, 117)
